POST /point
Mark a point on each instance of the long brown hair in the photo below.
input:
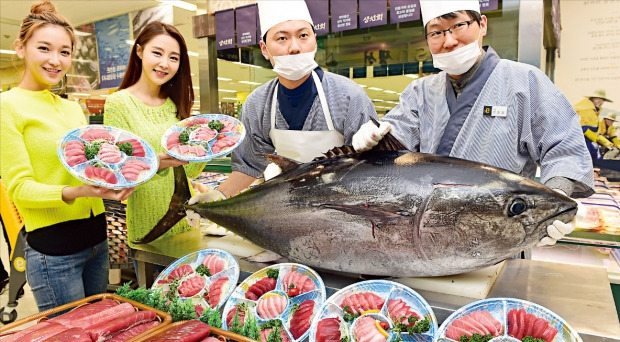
(43, 13)
(179, 88)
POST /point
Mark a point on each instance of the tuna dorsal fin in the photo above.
(284, 163)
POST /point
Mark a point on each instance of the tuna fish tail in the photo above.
(176, 211)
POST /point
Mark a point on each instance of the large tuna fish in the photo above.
(390, 213)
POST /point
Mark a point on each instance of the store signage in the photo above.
(95, 106)
(225, 29)
(319, 11)
(373, 13)
(404, 10)
(488, 5)
(344, 15)
(245, 17)
(112, 36)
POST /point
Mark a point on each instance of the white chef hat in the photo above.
(274, 12)
(432, 9)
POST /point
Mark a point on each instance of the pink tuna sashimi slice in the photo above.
(191, 286)
(300, 323)
(97, 133)
(173, 140)
(231, 315)
(197, 121)
(204, 134)
(196, 150)
(492, 325)
(136, 146)
(399, 311)
(75, 160)
(360, 302)
(222, 143)
(300, 281)
(271, 306)
(455, 333)
(328, 330)
(229, 126)
(366, 330)
(179, 272)
(106, 175)
(215, 291)
(549, 334)
(214, 263)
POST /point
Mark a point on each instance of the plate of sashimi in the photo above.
(206, 277)
(506, 319)
(279, 300)
(203, 137)
(107, 156)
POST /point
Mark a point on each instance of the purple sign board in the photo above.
(225, 29)
(373, 13)
(245, 17)
(319, 11)
(344, 15)
(488, 5)
(404, 10)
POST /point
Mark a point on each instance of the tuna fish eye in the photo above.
(516, 207)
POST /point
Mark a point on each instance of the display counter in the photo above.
(579, 294)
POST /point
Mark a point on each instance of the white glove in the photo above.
(558, 229)
(193, 219)
(271, 171)
(369, 135)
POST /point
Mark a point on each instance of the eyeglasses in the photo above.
(456, 29)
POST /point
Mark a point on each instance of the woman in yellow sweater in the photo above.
(156, 92)
(67, 248)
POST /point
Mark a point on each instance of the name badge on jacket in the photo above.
(500, 111)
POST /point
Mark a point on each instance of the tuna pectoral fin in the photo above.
(388, 143)
(176, 211)
(376, 214)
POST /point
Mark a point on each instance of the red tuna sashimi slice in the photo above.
(204, 134)
(197, 121)
(173, 140)
(231, 315)
(455, 332)
(193, 330)
(328, 330)
(492, 325)
(74, 144)
(399, 311)
(261, 287)
(101, 316)
(179, 272)
(75, 160)
(513, 322)
(271, 306)
(210, 339)
(300, 281)
(199, 309)
(300, 323)
(107, 330)
(73, 335)
(97, 133)
(360, 302)
(264, 335)
(549, 334)
(521, 314)
(221, 144)
(215, 291)
(529, 324)
(16, 336)
(191, 286)
(366, 330)
(214, 263)
(540, 325)
(133, 332)
(229, 126)
(42, 334)
(84, 311)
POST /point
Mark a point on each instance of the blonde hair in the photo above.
(43, 13)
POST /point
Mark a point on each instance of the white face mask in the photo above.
(294, 67)
(457, 62)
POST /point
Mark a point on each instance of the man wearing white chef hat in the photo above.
(302, 113)
(486, 109)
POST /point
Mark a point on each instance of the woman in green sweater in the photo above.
(155, 93)
(66, 242)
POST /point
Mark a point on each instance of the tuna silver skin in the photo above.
(387, 213)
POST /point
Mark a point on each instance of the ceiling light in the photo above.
(180, 4)
(362, 85)
(82, 33)
(192, 53)
(77, 76)
(377, 100)
(375, 88)
(104, 95)
(412, 75)
(8, 52)
(250, 65)
(227, 91)
(229, 98)
(80, 94)
(195, 87)
(224, 79)
(389, 91)
(249, 82)
(129, 41)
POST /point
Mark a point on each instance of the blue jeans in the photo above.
(58, 280)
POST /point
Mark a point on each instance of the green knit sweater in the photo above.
(31, 124)
(149, 202)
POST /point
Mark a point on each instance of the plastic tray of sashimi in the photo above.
(107, 156)
(279, 299)
(203, 137)
(374, 310)
(206, 277)
(506, 319)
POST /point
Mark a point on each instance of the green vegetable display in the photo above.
(91, 150)
(216, 125)
(203, 270)
(273, 273)
(126, 147)
(184, 136)
(532, 339)
(476, 338)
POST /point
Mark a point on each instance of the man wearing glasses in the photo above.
(487, 109)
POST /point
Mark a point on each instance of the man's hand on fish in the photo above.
(559, 229)
(369, 135)
(192, 217)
